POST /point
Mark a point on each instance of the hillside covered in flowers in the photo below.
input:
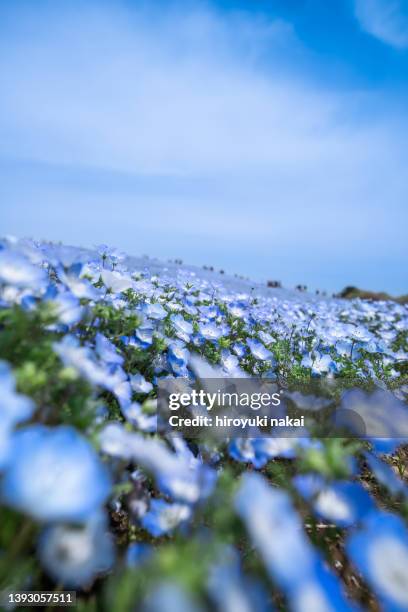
(96, 498)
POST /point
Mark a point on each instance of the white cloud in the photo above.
(385, 19)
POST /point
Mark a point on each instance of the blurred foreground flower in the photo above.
(380, 551)
(73, 555)
(54, 475)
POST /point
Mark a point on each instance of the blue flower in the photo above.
(231, 590)
(17, 271)
(320, 364)
(134, 414)
(343, 503)
(115, 281)
(380, 552)
(81, 358)
(144, 334)
(210, 312)
(68, 308)
(140, 384)
(80, 287)
(178, 358)
(182, 477)
(258, 350)
(239, 349)
(54, 475)
(211, 330)
(118, 383)
(246, 450)
(182, 328)
(106, 350)
(238, 309)
(276, 531)
(230, 364)
(154, 311)
(163, 517)
(74, 555)
(265, 337)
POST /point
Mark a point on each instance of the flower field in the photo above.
(95, 498)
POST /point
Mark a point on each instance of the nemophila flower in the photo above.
(230, 363)
(74, 555)
(211, 330)
(118, 383)
(116, 281)
(266, 337)
(321, 592)
(17, 271)
(343, 503)
(374, 346)
(319, 364)
(209, 312)
(238, 309)
(189, 307)
(239, 349)
(258, 350)
(345, 348)
(154, 311)
(106, 350)
(14, 407)
(174, 307)
(54, 475)
(79, 287)
(245, 450)
(360, 333)
(175, 475)
(81, 358)
(276, 531)
(134, 414)
(380, 552)
(62, 255)
(67, 308)
(271, 447)
(140, 384)
(144, 334)
(111, 254)
(182, 328)
(386, 475)
(231, 590)
(115, 441)
(163, 517)
(178, 357)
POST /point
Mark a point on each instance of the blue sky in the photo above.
(265, 137)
